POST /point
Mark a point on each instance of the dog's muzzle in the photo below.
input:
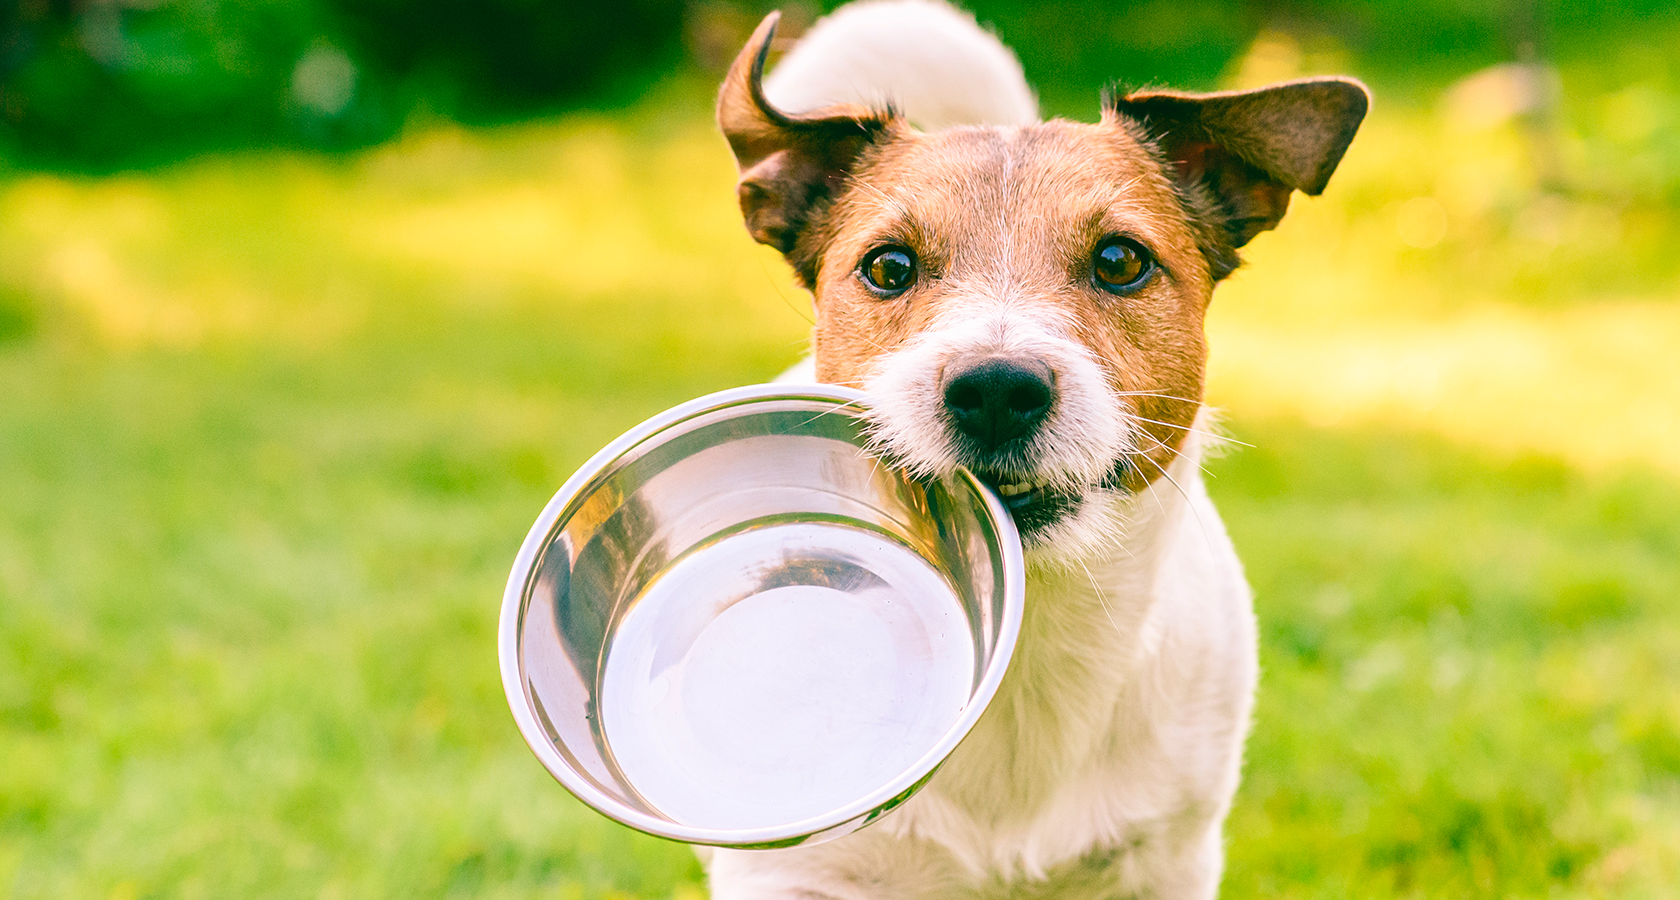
(997, 406)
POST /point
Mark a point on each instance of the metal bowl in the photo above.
(733, 626)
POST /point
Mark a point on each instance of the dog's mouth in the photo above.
(1033, 505)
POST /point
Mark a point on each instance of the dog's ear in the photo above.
(790, 163)
(1250, 149)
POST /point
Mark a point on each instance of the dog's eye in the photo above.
(889, 270)
(1121, 265)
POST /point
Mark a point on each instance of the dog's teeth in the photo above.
(1010, 490)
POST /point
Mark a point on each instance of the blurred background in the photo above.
(307, 306)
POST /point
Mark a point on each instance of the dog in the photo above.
(1025, 299)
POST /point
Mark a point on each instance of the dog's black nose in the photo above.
(995, 400)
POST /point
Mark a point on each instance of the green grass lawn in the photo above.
(273, 426)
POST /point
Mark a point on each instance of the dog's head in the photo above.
(1027, 301)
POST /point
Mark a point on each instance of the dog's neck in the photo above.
(1090, 635)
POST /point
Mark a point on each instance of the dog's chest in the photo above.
(1105, 763)
(1115, 739)
(1069, 749)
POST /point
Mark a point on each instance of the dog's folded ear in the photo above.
(790, 163)
(1250, 149)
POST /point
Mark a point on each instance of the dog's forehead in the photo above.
(1016, 184)
(989, 165)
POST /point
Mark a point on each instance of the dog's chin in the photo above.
(1034, 507)
(1057, 524)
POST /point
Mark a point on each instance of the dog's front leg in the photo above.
(755, 875)
(1187, 869)
(864, 866)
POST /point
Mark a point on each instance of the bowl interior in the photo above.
(739, 627)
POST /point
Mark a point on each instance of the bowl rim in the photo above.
(523, 575)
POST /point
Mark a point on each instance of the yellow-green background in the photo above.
(273, 423)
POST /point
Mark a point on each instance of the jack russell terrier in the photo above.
(1026, 298)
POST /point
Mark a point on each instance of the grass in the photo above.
(274, 426)
(1468, 671)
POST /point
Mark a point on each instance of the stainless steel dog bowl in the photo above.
(735, 627)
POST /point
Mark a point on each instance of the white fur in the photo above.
(1105, 765)
(929, 61)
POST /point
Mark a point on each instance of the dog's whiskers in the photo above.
(893, 203)
(1201, 525)
(1186, 428)
(1102, 599)
(1154, 394)
(1162, 445)
(783, 294)
(832, 410)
